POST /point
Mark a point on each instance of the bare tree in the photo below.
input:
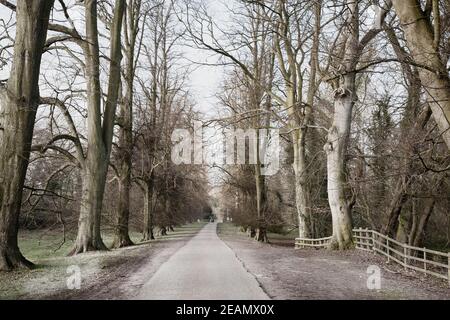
(132, 23)
(100, 133)
(422, 28)
(345, 96)
(20, 100)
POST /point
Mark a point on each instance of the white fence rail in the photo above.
(321, 243)
(429, 262)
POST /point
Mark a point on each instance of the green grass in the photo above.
(39, 245)
(288, 235)
(228, 229)
(50, 275)
(285, 239)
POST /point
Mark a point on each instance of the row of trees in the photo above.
(102, 104)
(360, 91)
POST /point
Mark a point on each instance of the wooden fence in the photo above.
(426, 261)
(321, 243)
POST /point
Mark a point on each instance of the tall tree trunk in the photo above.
(261, 204)
(95, 167)
(400, 196)
(336, 148)
(423, 43)
(93, 186)
(162, 231)
(420, 221)
(417, 232)
(298, 120)
(169, 221)
(122, 238)
(395, 208)
(20, 101)
(307, 141)
(298, 124)
(339, 135)
(164, 220)
(121, 231)
(301, 187)
(148, 212)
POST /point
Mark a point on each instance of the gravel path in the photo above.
(191, 265)
(290, 274)
(204, 269)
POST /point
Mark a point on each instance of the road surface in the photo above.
(204, 269)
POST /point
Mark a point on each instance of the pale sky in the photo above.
(204, 81)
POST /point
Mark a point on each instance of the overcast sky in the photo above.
(205, 80)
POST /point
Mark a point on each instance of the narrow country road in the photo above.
(205, 268)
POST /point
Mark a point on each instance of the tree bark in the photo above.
(336, 149)
(251, 232)
(395, 208)
(424, 49)
(122, 238)
(298, 120)
(302, 203)
(95, 167)
(121, 230)
(417, 232)
(305, 133)
(162, 231)
(148, 212)
(339, 135)
(93, 186)
(261, 204)
(20, 101)
(400, 196)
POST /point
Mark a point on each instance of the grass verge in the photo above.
(282, 239)
(50, 256)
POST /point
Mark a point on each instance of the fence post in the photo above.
(374, 241)
(404, 257)
(448, 267)
(357, 240)
(425, 261)
(363, 241)
(366, 241)
(388, 250)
